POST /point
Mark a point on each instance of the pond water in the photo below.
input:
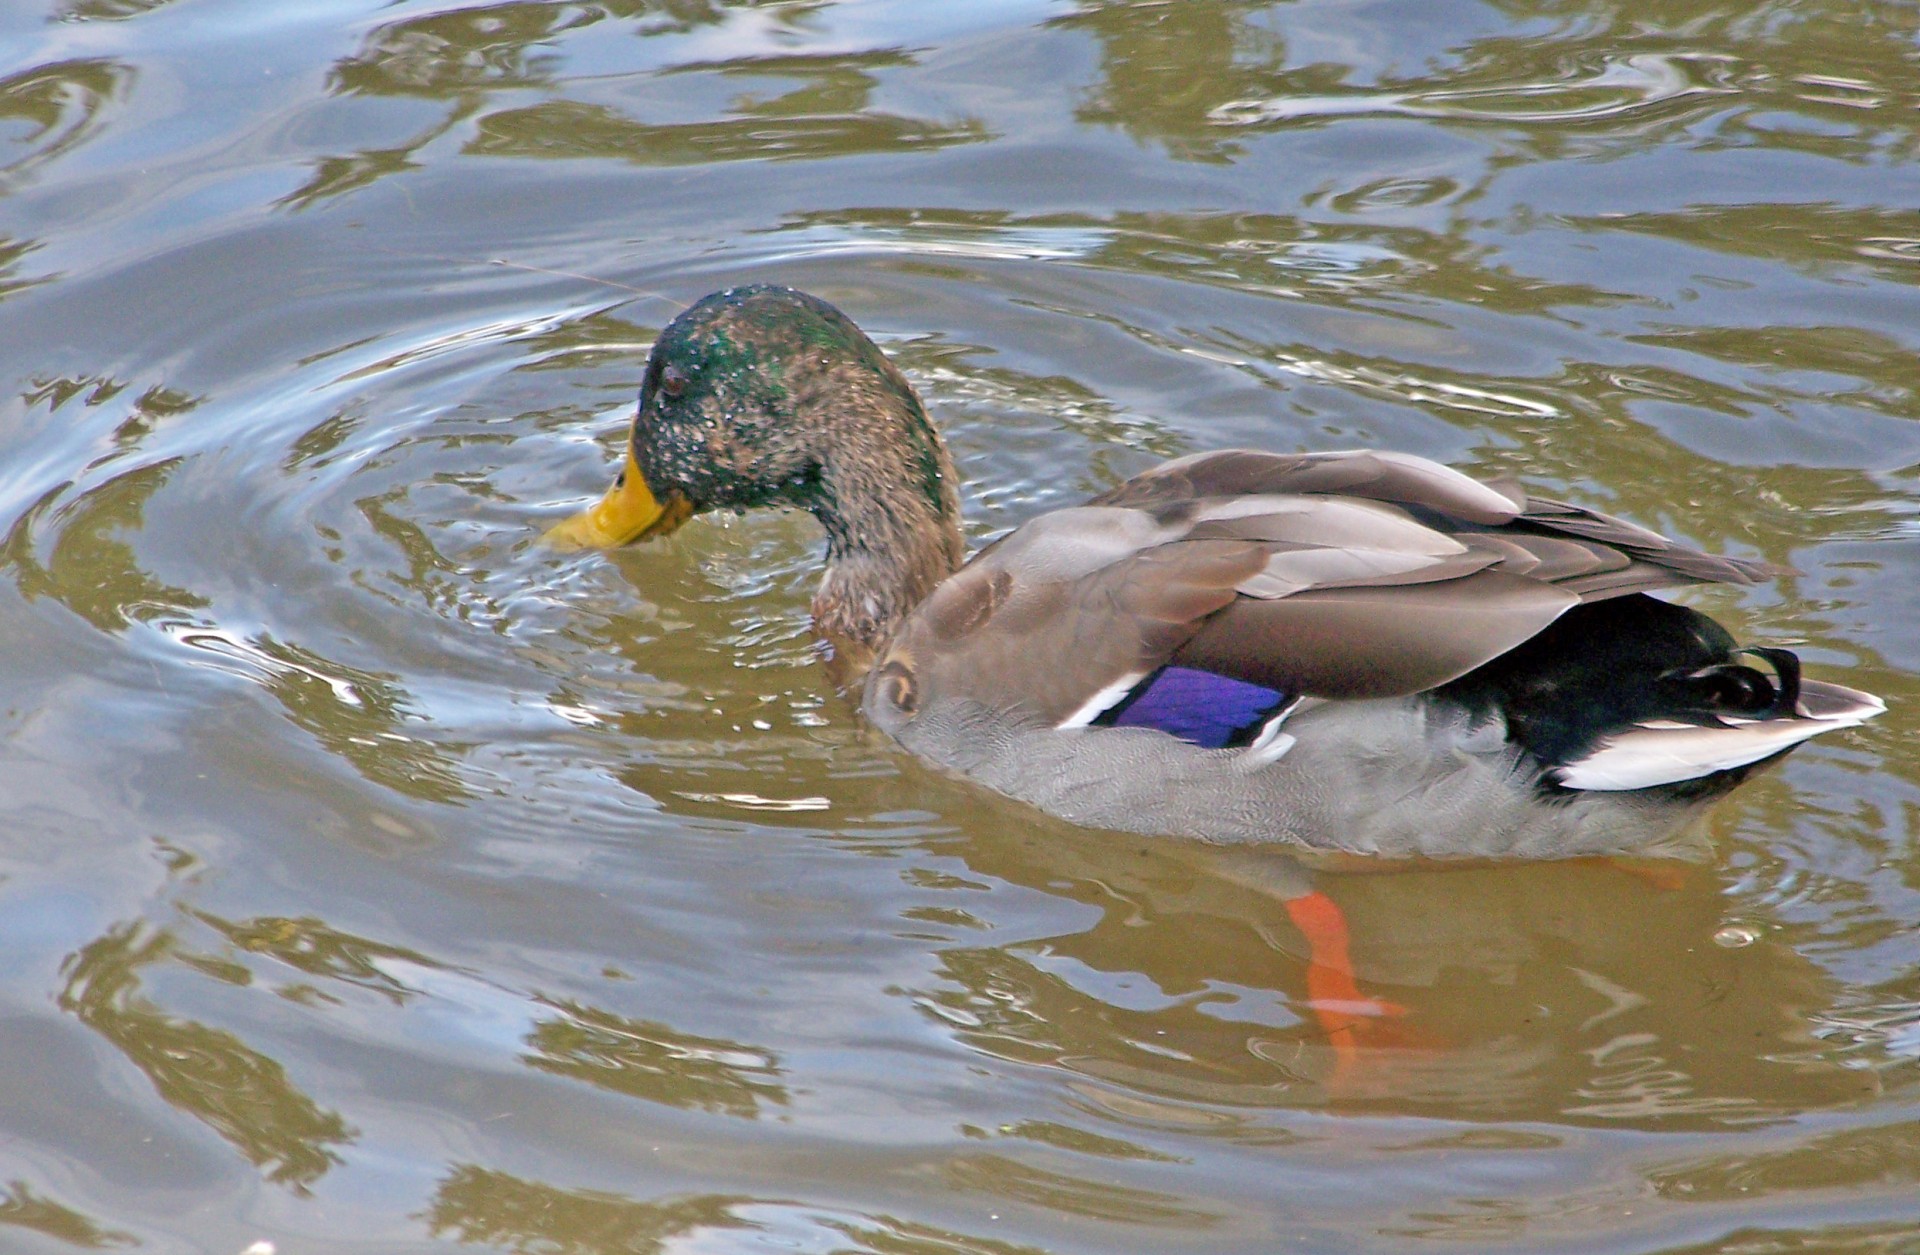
(372, 879)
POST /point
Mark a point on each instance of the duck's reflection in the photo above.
(1593, 992)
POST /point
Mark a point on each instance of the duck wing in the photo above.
(1331, 575)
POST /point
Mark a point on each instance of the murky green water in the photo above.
(372, 880)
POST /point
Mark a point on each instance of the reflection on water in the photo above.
(483, 1207)
(238, 1092)
(480, 1206)
(648, 1060)
(1518, 988)
(92, 570)
(309, 946)
(795, 107)
(23, 1208)
(50, 109)
(354, 714)
(1164, 66)
(377, 879)
(1615, 89)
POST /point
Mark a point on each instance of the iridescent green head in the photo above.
(766, 396)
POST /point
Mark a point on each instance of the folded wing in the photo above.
(1334, 575)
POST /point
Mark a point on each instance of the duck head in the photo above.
(766, 396)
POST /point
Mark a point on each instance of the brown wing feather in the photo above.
(1688, 566)
(1549, 559)
(1344, 575)
(1378, 641)
(1376, 476)
(1449, 500)
(1047, 642)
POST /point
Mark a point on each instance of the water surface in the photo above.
(374, 880)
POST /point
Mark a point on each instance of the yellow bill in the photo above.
(628, 512)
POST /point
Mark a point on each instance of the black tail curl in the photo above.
(1705, 694)
(1606, 666)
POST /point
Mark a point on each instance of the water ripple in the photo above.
(1013, 243)
(1622, 86)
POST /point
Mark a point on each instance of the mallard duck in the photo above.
(1357, 651)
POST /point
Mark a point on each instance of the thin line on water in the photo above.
(531, 269)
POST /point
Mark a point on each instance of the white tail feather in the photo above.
(1644, 756)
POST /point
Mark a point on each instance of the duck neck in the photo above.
(889, 500)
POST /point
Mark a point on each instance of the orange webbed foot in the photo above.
(1352, 1020)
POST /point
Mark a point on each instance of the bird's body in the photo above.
(1356, 651)
(1390, 777)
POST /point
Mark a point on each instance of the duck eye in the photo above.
(673, 381)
